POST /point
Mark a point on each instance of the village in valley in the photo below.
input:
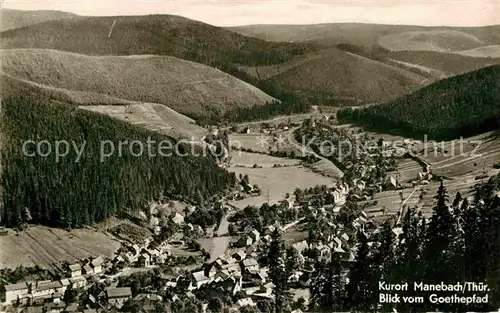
(218, 257)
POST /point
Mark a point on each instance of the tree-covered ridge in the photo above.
(67, 193)
(151, 34)
(458, 106)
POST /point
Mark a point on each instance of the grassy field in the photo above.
(276, 182)
(184, 86)
(492, 51)
(216, 246)
(48, 246)
(431, 40)
(251, 141)
(407, 170)
(449, 63)
(456, 158)
(153, 116)
(246, 159)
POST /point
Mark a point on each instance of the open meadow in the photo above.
(46, 247)
(247, 159)
(276, 182)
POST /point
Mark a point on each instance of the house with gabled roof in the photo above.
(301, 246)
(78, 282)
(178, 219)
(198, 279)
(255, 235)
(97, 264)
(245, 241)
(46, 289)
(87, 270)
(144, 260)
(12, 292)
(263, 292)
(118, 296)
(75, 269)
(250, 264)
(245, 302)
(239, 256)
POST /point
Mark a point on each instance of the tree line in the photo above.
(463, 105)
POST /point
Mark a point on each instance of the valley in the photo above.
(304, 164)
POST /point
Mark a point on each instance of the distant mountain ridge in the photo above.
(332, 34)
(150, 34)
(11, 19)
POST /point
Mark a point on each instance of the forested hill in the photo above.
(458, 106)
(151, 34)
(75, 191)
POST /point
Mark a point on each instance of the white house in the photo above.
(198, 280)
(250, 264)
(78, 282)
(178, 219)
(245, 302)
(97, 264)
(255, 235)
(46, 289)
(11, 293)
(65, 283)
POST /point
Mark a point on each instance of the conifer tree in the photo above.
(385, 256)
(328, 286)
(361, 290)
(440, 236)
(277, 272)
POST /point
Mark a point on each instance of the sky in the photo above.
(240, 12)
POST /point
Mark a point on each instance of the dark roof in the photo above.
(17, 286)
(50, 285)
(121, 292)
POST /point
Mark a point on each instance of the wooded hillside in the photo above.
(67, 192)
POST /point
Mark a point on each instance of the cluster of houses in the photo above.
(39, 292)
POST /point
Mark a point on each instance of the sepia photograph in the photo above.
(249, 156)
